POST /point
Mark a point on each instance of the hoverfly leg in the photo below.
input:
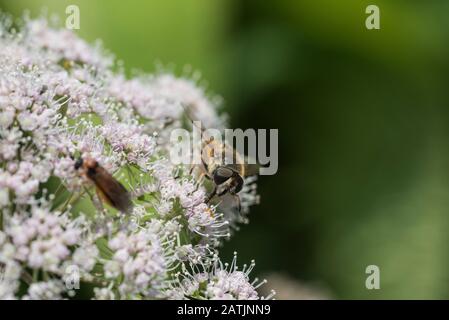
(239, 203)
(192, 167)
(200, 179)
(204, 164)
(223, 192)
(211, 195)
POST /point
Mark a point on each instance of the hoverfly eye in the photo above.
(78, 163)
(222, 174)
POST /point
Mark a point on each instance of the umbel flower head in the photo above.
(62, 99)
(217, 281)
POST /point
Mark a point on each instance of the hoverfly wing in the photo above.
(244, 165)
(246, 168)
(251, 170)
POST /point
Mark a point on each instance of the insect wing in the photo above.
(112, 190)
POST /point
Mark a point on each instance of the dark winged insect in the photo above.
(108, 188)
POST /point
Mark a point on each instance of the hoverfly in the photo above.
(227, 178)
(224, 166)
(108, 188)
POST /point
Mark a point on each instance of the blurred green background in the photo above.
(363, 119)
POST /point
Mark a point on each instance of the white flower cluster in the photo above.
(215, 281)
(141, 260)
(60, 99)
(41, 239)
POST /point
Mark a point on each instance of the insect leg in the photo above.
(98, 202)
(192, 167)
(223, 192)
(239, 203)
(204, 164)
(212, 194)
(201, 178)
